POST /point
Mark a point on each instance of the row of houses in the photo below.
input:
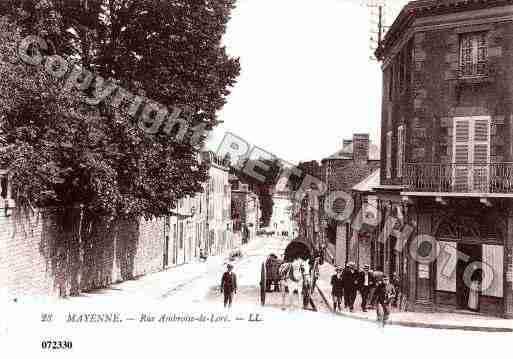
(39, 255)
(437, 209)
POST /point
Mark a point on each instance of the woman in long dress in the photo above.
(473, 295)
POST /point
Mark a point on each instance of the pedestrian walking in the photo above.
(397, 286)
(203, 257)
(365, 284)
(229, 285)
(337, 289)
(383, 295)
(473, 294)
(350, 279)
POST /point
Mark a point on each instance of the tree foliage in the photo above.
(62, 152)
(262, 184)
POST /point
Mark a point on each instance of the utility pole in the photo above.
(376, 13)
(382, 15)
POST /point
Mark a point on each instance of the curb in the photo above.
(419, 324)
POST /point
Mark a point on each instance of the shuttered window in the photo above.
(473, 54)
(471, 154)
(400, 151)
(389, 155)
(493, 270)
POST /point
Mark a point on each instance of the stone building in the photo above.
(447, 147)
(245, 210)
(341, 171)
(202, 222)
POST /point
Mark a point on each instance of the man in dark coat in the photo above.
(337, 289)
(350, 279)
(229, 286)
(365, 284)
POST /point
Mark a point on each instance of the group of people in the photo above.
(375, 288)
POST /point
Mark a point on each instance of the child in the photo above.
(229, 286)
(337, 291)
(384, 294)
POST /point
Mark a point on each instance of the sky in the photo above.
(306, 80)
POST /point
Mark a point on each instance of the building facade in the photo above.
(281, 220)
(341, 172)
(245, 210)
(363, 232)
(203, 222)
(446, 171)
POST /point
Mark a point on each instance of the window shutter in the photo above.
(400, 151)
(481, 155)
(461, 154)
(466, 56)
(493, 270)
(389, 155)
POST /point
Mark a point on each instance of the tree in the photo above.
(263, 183)
(62, 152)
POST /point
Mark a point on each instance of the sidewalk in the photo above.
(153, 286)
(414, 319)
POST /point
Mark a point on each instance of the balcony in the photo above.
(460, 178)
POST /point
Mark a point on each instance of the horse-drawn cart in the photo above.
(299, 266)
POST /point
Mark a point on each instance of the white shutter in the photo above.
(493, 270)
(446, 267)
(389, 155)
(481, 154)
(400, 151)
(461, 154)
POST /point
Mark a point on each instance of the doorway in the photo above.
(166, 252)
(392, 255)
(471, 253)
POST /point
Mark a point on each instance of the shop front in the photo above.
(459, 259)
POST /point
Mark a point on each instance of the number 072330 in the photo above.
(56, 344)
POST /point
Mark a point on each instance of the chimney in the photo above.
(361, 147)
(346, 143)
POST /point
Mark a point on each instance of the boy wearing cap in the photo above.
(337, 289)
(350, 279)
(384, 293)
(228, 286)
(365, 285)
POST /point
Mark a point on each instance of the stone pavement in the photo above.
(415, 319)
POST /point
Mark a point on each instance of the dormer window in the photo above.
(473, 54)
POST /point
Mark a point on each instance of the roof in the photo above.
(346, 153)
(420, 8)
(368, 184)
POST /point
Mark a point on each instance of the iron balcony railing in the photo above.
(459, 177)
(471, 70)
